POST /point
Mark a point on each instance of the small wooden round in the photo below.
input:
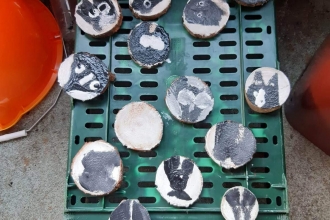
(239, 203)
(266, 89)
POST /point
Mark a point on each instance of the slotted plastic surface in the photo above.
(224, 62)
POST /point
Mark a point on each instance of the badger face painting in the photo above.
(239, 203)
(264, 95)
(230, 144)
(179, 181)
(98, 168)
(189, 99)
(178, 177)
(145, 6)
(130, 209)
(148, 44)
(204, 12)
(88, 76)
(97, 13)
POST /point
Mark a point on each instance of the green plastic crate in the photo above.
(247, 42)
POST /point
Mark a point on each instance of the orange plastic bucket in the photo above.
(30, 55)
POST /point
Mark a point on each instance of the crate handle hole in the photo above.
(73, 199)
(265, 201)
(278, 201)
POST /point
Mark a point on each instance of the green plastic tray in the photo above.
(224, 62)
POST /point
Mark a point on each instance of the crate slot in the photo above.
(91, 139)
(122, 57)
(116, 110)
(124, 154)
(269, 30)
(89, 200)
(199, 139)
(201, 70)
(255, 56)
(124, 5)
(148, 98)
(149, 71)
(97, 43)
(127, 18)
(123, 31)
(264, 201)
(147, 169)
(123, 70)
(228, 70)
(228, 57)
(251, 69)
(76, 139)
(228, 84)
(227, 43)
(257, 125)
(148, 154)
(232, 17)
(261, 155)
(202, 125)
(94, 111)
(73, 200)
(262, 140)
(254, 43)
(205, 200)
(253, 30)
(122, 84)
(115, 140)
(201, 57)
(260, 169)
(116, 199)
(124, 185)
(207, 185)
(121, 44)
(146, 184)
(122, 97)
(275, 140)
(201, 155)
(230, 184)
(149, 84)
(260, 185)
(201, 44)
(100, 56)
(229, 111)
(206, 169)
(233, 171)
(253, 17)
(228, 97)
(232, 4)
(228, 31)
(208, 83)
(147, 199)
(278, 201)
(94, 125)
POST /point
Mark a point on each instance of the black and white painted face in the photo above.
(98, 14)
(130, 209)
(89, 75)
(264, 95)
(149, 44)
(240, 203)
(144, 6)
(234, 145)
(189, 99)
(204, 12)
(177, 176)
(98, 168)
